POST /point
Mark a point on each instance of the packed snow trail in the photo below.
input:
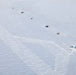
(62, 55)
(61, 67)
(61, 58)
(31, 59)
(31, 40)
(25, 54)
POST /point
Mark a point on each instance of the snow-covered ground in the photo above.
(37, 37)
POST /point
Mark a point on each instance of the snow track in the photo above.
(42, 42)
(25, 54)
(62, 56)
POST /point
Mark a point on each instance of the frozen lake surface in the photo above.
(37, 37)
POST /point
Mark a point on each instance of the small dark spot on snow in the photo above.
(70, 49)
(31, 18)
(35, 73)
(52, 68)
(71, 46)
(75, 47)
(22, 12)
(46, 26)
(58, 33)
(12, 7)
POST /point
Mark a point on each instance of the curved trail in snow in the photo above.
(62, 55)
(31, 59)
(42, 42)
(25, 54)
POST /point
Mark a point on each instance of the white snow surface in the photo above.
(37, 37)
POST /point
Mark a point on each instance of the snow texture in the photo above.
(37, 37)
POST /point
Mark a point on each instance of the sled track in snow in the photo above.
(31, 59)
